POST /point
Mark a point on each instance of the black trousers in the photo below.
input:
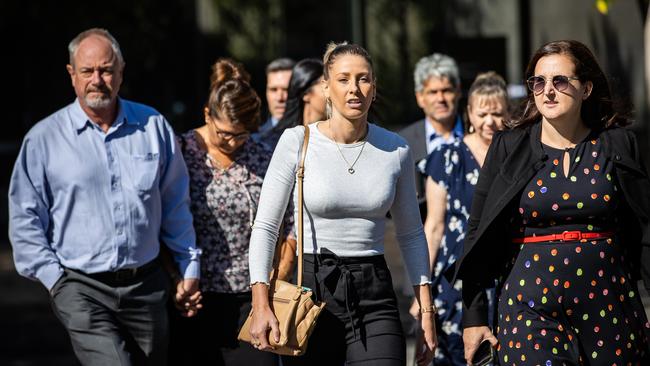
(114, 322)
(360, 324)
(210, 338)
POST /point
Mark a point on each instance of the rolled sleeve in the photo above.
(190, 268)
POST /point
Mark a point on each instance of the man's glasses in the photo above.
(536, 84)
(229, 136)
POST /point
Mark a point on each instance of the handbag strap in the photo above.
(300, 174)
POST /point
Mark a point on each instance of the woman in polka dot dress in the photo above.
(565, 198)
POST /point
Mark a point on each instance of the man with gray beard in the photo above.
(95, 189)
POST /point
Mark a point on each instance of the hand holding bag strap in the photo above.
(300, 174)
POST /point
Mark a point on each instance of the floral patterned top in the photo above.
(224, 204)
(453, 167)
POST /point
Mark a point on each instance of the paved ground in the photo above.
(30, 335)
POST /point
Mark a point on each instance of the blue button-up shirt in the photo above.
(434, 139)
(92, 201)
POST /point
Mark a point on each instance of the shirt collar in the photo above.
(80, 119)
(431, 133)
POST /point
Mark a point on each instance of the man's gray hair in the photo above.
(436, 65)
(74, 44)
(280, 64)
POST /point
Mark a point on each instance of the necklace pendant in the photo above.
(351, 170)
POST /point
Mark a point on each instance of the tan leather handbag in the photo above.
(291, 304)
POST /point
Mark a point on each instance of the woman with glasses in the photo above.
(226, 170)
(452, 171)
(560, 218)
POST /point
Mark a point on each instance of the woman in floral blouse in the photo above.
(226, 170)
(452, 175)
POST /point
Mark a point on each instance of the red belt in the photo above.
(565, 236)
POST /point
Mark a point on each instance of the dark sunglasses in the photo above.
(536, 84)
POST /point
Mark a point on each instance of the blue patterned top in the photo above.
(453, 167)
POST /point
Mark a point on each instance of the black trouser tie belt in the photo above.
(334, 275)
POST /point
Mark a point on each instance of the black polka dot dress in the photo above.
(570, 302)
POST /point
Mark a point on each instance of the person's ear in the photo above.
(326, 88)
(206, 115)
(419, 98)
(589, 86)
(70, 69)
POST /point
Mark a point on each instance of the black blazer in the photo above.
(416, 136)
(514, 157)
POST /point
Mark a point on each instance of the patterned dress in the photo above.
(224, 204)
(453, 167)
(571, 302)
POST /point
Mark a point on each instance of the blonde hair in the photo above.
(488, 85)
(335, 50)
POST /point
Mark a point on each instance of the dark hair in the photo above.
(231, 95)
(335, 50)
(597, 111)
(304, 75)
(280, 64)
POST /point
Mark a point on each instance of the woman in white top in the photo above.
(355, 173)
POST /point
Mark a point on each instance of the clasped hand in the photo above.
(187, 298)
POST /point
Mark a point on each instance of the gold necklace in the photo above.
(363, 145)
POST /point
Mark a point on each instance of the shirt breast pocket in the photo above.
(144, 170)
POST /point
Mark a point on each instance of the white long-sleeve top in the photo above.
(343, 212)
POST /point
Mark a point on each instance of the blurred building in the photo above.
(169, 46)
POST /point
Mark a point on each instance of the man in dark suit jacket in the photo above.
(278, 75)
(437, 90)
